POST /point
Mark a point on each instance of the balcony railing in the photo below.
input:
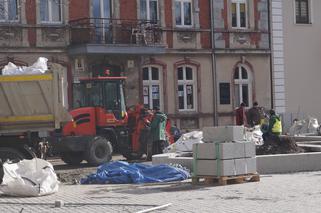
(115, 31)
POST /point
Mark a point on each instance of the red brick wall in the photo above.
(31, 17)
(128, 9)
(168, 22)
(205, 22)
(79, 9)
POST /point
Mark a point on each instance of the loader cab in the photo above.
(102, 92)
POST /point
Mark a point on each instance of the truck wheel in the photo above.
(132, 155)
(10, 154)
(99, 151)
(72, 158)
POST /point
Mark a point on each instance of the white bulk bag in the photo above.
(34, 177)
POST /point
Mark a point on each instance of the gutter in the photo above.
(271, 52)
(214, 75)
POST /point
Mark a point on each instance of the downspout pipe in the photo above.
(214, 75)
(271, 51)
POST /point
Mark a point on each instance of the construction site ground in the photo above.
(298, 192)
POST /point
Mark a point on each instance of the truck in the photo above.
(33, 113)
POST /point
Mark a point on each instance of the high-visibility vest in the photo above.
(277, 127)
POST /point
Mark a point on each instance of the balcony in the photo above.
(117, 36)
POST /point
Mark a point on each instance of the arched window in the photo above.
(186, 88)
(152, 87)
(242, 86)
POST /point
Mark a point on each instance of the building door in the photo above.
(102, 11)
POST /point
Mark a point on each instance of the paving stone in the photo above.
(223, 133)
(272, 194)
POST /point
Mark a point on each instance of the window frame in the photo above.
(309, 13)
(184, 83)
(50, 12)
(240, 82)
(148, 13)
(182, 16)
(150, 83)
(6, 7)
(238, 14)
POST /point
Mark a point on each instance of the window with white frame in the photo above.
(183, 13)
(186, 88)
(51, 11)
(302, 11)
(242, 86)
(239, 13)
(8, 10)
(152, 87)
(149, 10)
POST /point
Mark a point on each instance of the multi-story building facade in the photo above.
(296, 58)
(162, 46)
(33, 28)
(242, 55)
(195, 59)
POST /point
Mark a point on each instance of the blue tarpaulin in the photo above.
(122, 172)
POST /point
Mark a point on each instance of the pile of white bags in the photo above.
(254, 134)
(34, 177)
(39, 67)
(309, 126)
(185, 142)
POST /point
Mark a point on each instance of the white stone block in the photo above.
(212, 168)
(224, 151)
(224, 167)
(250, 149)
(245, 165)
(223, 133)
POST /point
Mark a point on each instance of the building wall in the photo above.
(302, 62)
(259, 68)
(249, 46)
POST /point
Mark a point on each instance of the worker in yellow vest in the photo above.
(275, 126)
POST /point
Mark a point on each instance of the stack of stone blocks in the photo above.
(225, 152)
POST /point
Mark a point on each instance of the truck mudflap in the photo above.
(70, 143)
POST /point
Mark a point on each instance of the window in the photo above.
(242, 86)
(225, 93)
(183, 13)
(239, 13)
(152, 89)
(51, 11)
(186, 88)
(8, 10)
(102, 14)
(149, 10)
(302, 11)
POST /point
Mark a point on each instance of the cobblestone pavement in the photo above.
(299, 192)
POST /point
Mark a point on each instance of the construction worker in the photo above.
(254, 115)
(240, 115)
(158, 133)
(275, 126)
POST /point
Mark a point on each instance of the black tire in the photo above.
(72, 158)
(99, 151)
(132, 155)
(11, 154)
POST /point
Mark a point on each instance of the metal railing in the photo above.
(115, 31)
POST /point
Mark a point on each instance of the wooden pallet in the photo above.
(224, 180)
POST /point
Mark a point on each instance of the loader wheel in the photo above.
(99, 151)
(72, 158)
(132, 156)
(11, 154)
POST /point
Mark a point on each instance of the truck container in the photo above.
(31, 106)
